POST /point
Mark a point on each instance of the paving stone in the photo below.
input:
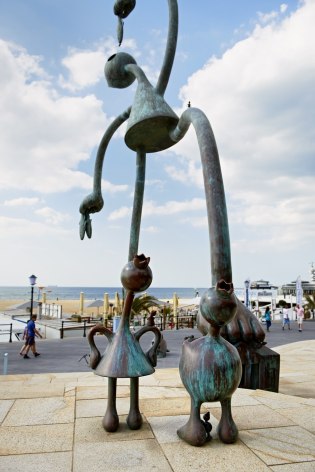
(162, 392)
(38, 439)
(91, 392)
(237, 400)
(214, 455)
(305, 389)
(281, 445)
(13, 391)
(90, 430)
(277, 401)
(165, 427)
(97, 407)
(304, 416)
(298, 467)
(252, 417)
(41, 411)
(129, 456)
(5, 406)
(165, 406)
(49, 462)
(148, 380)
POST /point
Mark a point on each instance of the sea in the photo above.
(55, 292)
(92, 293)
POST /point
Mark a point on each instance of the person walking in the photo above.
(25, 336)
(286, 317)
(268, 317)
(31, 333)
(300, 316)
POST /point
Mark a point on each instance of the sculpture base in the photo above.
(261, 368)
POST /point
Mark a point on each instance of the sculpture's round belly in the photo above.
(210, 369)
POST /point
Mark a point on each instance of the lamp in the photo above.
(32, 279)
(247, 284)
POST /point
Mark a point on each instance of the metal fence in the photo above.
(7, 330)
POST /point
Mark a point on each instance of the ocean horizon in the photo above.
(91, 293)
(54, 293)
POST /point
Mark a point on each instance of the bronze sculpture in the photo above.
(153, 126)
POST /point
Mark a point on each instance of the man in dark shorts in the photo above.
(31, 333)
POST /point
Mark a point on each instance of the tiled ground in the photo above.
(52, 423)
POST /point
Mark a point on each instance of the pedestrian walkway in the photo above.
(70, 354)
(52, 422)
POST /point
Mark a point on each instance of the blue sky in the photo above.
(249, 65)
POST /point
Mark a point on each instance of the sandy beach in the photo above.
(73, 306)
(68, 306)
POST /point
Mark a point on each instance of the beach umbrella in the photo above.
(175, 303)
(24, 305)
(95, 304)
(105, 306)
(81, 303)
(117, 303)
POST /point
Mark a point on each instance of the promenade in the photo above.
(52, 421)
(63, 355)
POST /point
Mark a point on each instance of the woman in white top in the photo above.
(286, 318)
(300, 316)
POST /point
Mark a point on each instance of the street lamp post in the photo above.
(32, 283)
(247, 284)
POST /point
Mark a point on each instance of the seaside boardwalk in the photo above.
(67, 355)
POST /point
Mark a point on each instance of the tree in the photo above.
(282, 303)
(310, 305)
(143, 304)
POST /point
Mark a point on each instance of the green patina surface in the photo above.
(214, 377)
(124, 358)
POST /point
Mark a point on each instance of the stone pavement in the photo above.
(52, 423)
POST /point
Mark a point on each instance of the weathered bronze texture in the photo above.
(261, 365)
(210, 366)
(123, 356)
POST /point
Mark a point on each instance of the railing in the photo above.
(6, 331)
(73, 325)
(162, 322)
(168, 322)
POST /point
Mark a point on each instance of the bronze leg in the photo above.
(227, 429)
(193, 431)
(111, 420)
(134, 420)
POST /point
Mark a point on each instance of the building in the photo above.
(262, 285)
(290, 288)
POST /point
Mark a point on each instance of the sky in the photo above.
(248, 65)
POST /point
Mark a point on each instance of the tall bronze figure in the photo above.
(210, 367)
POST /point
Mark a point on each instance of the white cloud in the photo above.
(173, 207)
(85, 67)
(12, 228)
(170, 208)
(259, 97)
(120, 213)
(22, 201)
(151, 229)
(111, 188)
(41, 131)
(51, 216)
(273, 15)
(196, 222)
